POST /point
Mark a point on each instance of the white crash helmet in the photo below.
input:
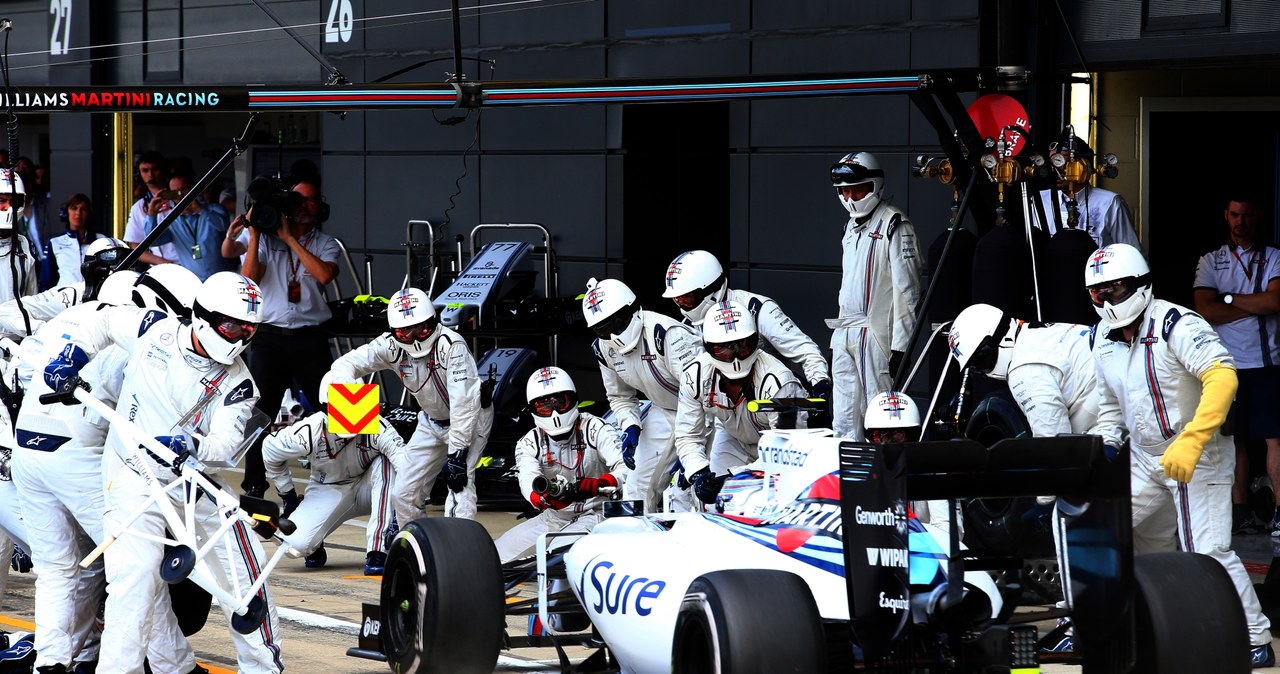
(117, 289)
(696, 273)
(610, 310)
(413, 321)
(323, 403)
(1123, 267)
(11, 186)
(982, 337)
(170, 288)
(729, 335)
(98, 247)
(892, 409)
(858, 168)
(553, 400)
(225, 315)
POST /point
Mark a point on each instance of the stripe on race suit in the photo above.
(1153, 383)
(1184, 504)
(254, 566)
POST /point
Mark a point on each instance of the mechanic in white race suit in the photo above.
(18, 277)
(351, 475)
(437, 368)
(57, 469)
(893, 418)
(731, 372)
(567, 450)
(100, 256)
(1166, 379)
(175, 369)
(879, 292)
(1051, 375)
(696, 281)
(641, 352)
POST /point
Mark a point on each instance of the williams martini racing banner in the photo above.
(469, 94)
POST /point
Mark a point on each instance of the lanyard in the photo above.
(1253, 256)
(296, 261)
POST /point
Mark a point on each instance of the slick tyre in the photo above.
(1187, 616)
(995, 524)
(748, 620)
(443, 610)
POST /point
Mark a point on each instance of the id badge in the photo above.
(195, 251)
(295, 292)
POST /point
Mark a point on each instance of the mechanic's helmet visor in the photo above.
(233, 330)
(553, 403)
(881, 436)
(693, 298)
(985, 356)
(739, 348)
(110, 256)
(1113, 292)
(615, 324)
(853, 174)
(417, 332)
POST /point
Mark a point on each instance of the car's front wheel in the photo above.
(748, 620)
(443, 610)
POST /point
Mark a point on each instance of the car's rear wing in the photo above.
(876, 481)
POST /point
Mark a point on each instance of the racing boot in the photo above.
(374, 563)
(1262, 656)
(317, 559)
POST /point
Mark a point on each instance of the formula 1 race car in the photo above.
(816, 563)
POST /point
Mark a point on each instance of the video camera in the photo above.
(269, 200)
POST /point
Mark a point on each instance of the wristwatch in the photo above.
(1228, 298)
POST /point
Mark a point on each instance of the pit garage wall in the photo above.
(563, 166)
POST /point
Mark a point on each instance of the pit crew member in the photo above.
(175, 370)
(436, 366)
(576, 455)
(351, 475)
(879, 291)
(717, 386)
(641, 352)
(1165, 378)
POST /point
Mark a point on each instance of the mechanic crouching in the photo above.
(717, 386)
(568, 464)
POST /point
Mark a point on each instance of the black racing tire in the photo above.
(443, 608)
(1187, 616)
(995, 524)
(748, 620)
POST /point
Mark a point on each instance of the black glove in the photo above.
(291, 501)
(895, 362)
(822, 389)
(455, 471)
(707, 486)
(20, 561)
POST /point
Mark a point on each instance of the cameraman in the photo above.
(292, 264)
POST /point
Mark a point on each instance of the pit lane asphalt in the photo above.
(320, 612)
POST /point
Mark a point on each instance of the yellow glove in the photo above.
(1218, 389)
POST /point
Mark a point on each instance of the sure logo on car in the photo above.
(617, 594)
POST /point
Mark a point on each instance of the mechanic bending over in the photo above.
(1051, 374)
(892, 417)
(437, 368)
(1167, 381)
(351, 475)
(641, 352)
(565, 464)
(716, 387)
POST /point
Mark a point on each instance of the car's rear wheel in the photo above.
(1187, 616)
(748, 620)
(443, 610)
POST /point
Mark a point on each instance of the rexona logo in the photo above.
(619, 594)
(894, 516)
(894, 604)
(371, 627)
(893, 557)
